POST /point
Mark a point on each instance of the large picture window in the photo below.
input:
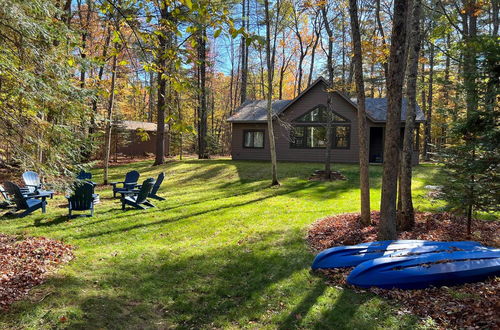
(253, 139)
(309, 130)
(310, 137)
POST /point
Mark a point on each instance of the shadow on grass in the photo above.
(233, 286)
(56, 221)
(229, 205)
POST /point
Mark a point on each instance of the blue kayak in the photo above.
(446, 268)
(353, 255)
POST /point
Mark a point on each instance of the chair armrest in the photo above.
(129, 192)
(115, 183)
(36, 196)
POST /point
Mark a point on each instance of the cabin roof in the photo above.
(133, 125)
(254, 111)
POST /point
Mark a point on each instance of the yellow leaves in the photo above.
(71, 62)
(187, 3)
(116, 37)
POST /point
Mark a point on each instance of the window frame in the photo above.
(253, 138)
(312, 123)
(334, 139)
(293, 146)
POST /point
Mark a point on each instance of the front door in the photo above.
(376, 154)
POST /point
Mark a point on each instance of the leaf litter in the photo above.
(25, 262)
(468, 306)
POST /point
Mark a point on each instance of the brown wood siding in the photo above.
(136, 147)
(315, 96)
(237, 149)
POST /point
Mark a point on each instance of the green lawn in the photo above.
(223, 251)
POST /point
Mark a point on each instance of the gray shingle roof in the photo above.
(256, 111)
(376, 109)
(134, 125)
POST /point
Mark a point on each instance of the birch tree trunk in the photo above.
(406, 216)
(364, 175)
(396, 71)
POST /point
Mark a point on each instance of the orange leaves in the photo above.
(466, 306)
(24, 263)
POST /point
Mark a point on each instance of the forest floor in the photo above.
(459, 307)
(223, 251)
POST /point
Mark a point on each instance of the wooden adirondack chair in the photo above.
(156, 187)
(7, 201)
(139, 198)
(33, 185)
(82, 199)
(129, 183)
(27, 203)
(32, 181)
(86, 176)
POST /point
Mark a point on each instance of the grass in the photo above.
(223, 251)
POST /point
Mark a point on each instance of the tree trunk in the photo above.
(151, 102)
(270, 61)
(99, 78)
(329, 125)
(428, 119)
(109, 119)
(244, 52)
(382, 35)
(317, 33)
(406, 216)
(162, 91)
(364, 175)
(202, 133)
(396, 71)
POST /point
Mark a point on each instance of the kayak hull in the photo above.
(350, 256)
(448, 268)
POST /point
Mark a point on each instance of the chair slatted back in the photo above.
(4, 194)
(131, 179)
(82, 197)
(146, 188)
(84, 175)
(32, 180)
(14, 190)
(158, 183)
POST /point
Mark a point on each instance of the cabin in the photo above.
(135, 138)
(300, 128)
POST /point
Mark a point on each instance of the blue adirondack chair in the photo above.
(86, 176)
(82, 198)
(138, 199)
(129, 183)
(7, 201)
(32, 181)
(154, 192)
(28, 203)
(33, 185)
